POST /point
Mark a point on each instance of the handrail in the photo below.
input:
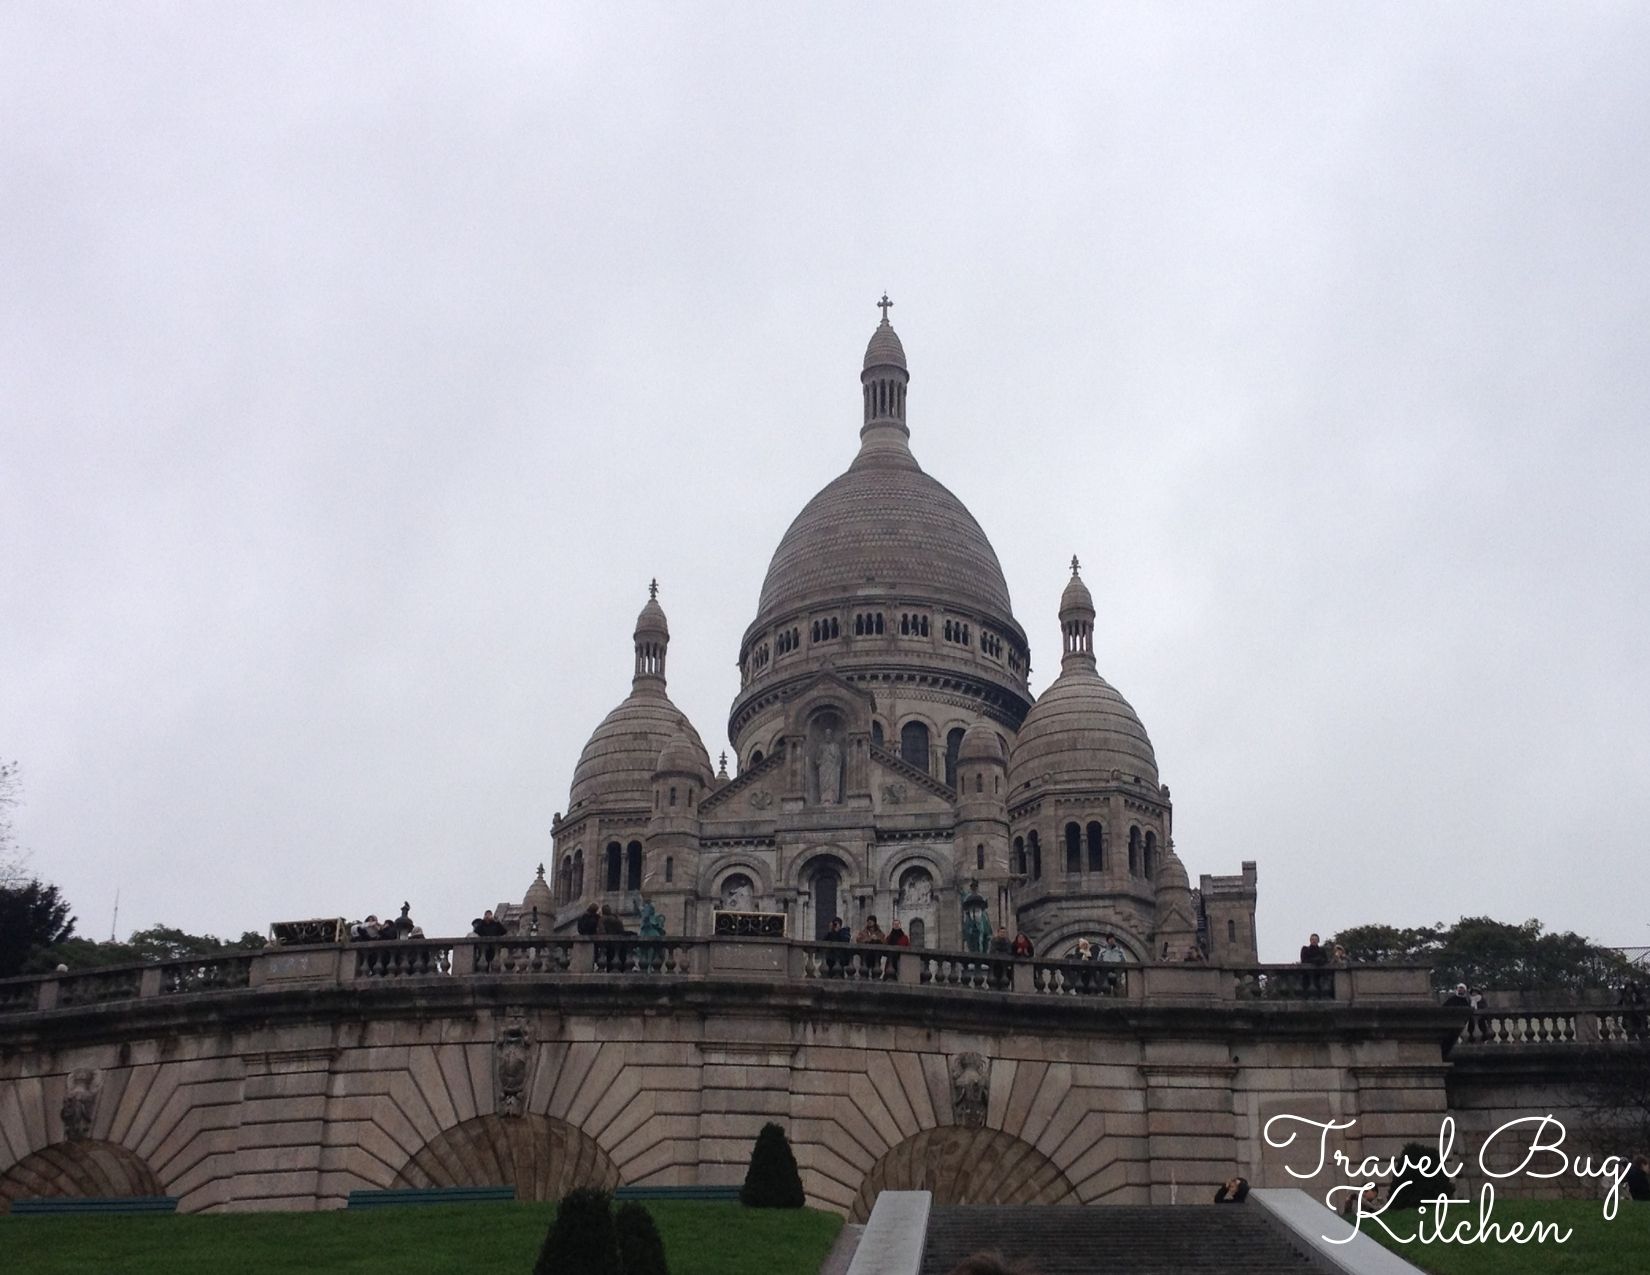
(777, 960)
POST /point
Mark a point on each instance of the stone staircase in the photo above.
(1221, 1239)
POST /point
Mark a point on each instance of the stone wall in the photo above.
(318, 1078)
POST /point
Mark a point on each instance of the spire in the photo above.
(1076, 622)
(882, 386)
(652, 636)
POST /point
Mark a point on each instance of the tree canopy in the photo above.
(32, 916)
(1495, 955)
(157, 943)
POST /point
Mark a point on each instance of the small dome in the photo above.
(684, 755)
(885, 349)
(652, 616)
(538, 896)
(1171, 872)
(1077, 596)
(1078, 732)
(982, 743)
(617, 765)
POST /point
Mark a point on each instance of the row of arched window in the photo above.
(884, 398)
(789, 640)
(1086, 849)
(992, 645)
(956, 631)
(826, 630)
(913, 625)
(621, 870)
(868, 624)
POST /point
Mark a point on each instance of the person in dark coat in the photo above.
(611, 923)
(487, 926)
(1638, 1178)
(1312, 953)
(1233, 1191)
(589, 922)
(897, 937)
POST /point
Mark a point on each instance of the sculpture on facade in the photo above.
(828, 767)
(976, 920)
(512, 1060)
(80, 1104)
(970, 1089)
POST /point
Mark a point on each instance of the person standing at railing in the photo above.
(1113, 954)
(1022, 944)
(589, 923)
(870, 932)
(487, 926)
(1312, 953)
(897, 937)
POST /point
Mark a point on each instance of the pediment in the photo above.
(899, 787)
(753, 795)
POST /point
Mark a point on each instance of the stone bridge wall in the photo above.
(303, 1074)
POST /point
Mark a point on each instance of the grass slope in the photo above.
(700, 1239)
(1595, 1247)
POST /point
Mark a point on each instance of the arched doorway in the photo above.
(826, 879)
(83, 1169)
(542, 1157)
(965, 1166)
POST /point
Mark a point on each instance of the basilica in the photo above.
(890, 759)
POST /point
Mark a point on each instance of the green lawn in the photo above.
(1595, 1247)
(499, 1239)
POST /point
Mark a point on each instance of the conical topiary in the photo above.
(641, 1251)
(581, 1239)
(772, 1181)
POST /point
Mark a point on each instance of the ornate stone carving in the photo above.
(80, 1104)
(970, 1089)
(828, 766)
(893, 794)
(513, 1064)
(761, 799)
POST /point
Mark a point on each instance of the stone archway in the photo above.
(965, 1166)
(83, 1169)
(542, 1157)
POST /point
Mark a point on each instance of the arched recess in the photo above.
(542, 1157)
(80, 1170)
(965, 1166)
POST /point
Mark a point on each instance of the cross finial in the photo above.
(723, 759)
(1074, 564)
(541, 869)
(884, 305)
(653, 589)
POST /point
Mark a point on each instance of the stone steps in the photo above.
(1123, 1240)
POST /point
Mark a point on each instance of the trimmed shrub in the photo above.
(772, 1181)
(581, 1239)
(641, 1251)
(1413, 1187)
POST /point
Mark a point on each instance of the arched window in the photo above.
(876, 733)
(1097, 847)
(615, 866)
(738, 893)
(756, 759)
(633, 866)
(1231, 930)
(913, 744)
(564, 886)
(918, 933)
(953, 746)
(670, 869)
(1020, 856)
(1134, 852)
(1150, 861)
(979, 783)
(673, 794)
(578, 873)
(879, 623)
(979, 856)
(1074, 848)
(1034, 847)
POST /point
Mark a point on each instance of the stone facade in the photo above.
(887, 749)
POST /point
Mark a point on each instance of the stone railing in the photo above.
(576, 959)
(1571, 1025)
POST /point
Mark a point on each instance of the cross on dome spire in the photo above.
(653, 586)
(1074, 564)
(885, 305)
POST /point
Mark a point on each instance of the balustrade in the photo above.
(978, 971)
(403, 958)
(523, 956)
(97, 986)
(1283, 983)
(216, 974)
(854, 963)
(1080, 978)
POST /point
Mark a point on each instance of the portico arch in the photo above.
(542, 1157)
(83, 1169)
(965, 1166)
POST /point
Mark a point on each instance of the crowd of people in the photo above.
(372, 930)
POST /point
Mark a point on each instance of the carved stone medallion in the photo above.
(80, 1104)
(970, 1088)
(513, 1064)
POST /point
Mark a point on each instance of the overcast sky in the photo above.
(359, 366)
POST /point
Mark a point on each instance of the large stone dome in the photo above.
(884, 528)
(617, 765)
(1078, 733)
